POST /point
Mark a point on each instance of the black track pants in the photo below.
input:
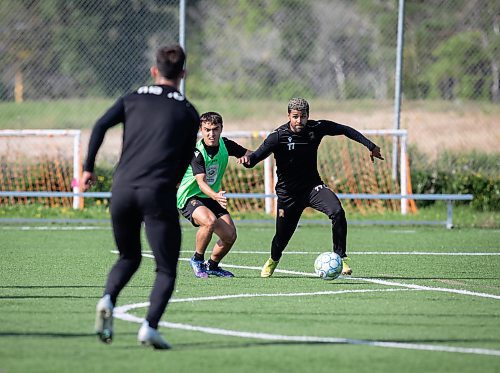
(320, 198)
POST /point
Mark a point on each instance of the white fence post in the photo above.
(268, 184)
(403, 176)
(76, 170)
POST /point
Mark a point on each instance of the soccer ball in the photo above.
(328, 266)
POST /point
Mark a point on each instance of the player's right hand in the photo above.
(245, 160)
(88, 179)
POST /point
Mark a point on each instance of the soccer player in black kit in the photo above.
(159, 136)
(295, 147)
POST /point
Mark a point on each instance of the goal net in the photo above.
(344, 165)
(34, 162)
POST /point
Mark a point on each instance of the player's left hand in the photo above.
(375, 153)
(221, 199)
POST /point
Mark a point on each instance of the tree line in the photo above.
(253, 48)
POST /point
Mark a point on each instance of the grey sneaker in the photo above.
(148, 336)
(104, 319)
(199, 268)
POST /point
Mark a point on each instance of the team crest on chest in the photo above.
(212, 172)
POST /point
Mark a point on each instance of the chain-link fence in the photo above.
(62, 62)
(58, 49)
(337, 49)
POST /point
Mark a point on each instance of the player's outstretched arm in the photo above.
(375, 153)
(334, 129)
(262, 152)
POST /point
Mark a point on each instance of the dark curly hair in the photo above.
(211, 117)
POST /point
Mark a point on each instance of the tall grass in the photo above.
(82, 113)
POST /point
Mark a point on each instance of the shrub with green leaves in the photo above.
(461, 173)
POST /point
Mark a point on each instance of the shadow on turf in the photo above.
(48, 297)
(52, 335)
(64, 287)
(429, 278)
(233, 345)
(215, 345)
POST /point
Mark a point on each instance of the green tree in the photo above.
(461, 68)
(106, 42)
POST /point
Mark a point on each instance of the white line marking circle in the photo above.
(122, 314)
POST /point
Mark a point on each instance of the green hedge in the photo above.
(103, 183)
(462, 173)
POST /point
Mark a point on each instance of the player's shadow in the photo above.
(277, 277)
(98, 289)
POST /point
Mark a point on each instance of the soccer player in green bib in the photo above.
(201, 200)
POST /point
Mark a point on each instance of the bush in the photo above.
(464, 173)
(103, 183)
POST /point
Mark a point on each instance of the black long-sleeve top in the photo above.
(296, 153)
(159, 136)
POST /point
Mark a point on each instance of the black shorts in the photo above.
(194, 202)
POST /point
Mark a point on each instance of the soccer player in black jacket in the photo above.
(159, 136)
(295, 147)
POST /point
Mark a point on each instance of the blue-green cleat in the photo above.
(199, 268)
(219, 272)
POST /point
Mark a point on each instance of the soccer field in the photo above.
(420, 299)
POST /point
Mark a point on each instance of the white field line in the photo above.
(419, 287)
(371, 253)
(372, 280)
(356, 253)
(121, 313)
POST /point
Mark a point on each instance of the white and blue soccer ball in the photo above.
(328, 266)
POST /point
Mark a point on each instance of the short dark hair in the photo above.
(170, 61)
(299, 104)
(211, 117)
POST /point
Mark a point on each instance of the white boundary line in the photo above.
(373, 253)
(372, 280)
(354, 253)
(121, 313)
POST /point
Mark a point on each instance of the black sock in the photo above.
(212, 265)
(199, 257)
